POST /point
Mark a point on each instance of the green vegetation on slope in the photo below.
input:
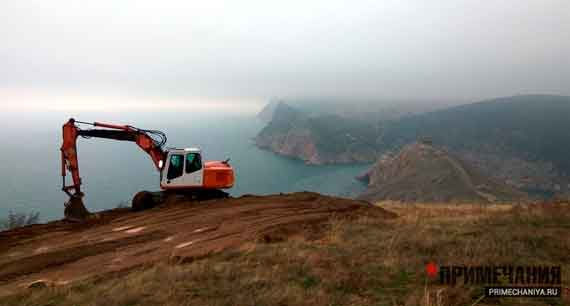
(334, 134)
(533, 127)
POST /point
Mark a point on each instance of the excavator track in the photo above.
(146, 199)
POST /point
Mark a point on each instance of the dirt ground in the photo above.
(118, 240)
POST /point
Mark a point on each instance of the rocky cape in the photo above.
(320, 139)
(421, 172)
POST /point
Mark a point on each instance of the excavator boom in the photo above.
(69, 161)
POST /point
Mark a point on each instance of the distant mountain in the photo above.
(522, 140)
(531, 126)
(421, 172)
(266, 114)
(361, 109)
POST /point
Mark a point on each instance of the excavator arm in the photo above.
(149, 141)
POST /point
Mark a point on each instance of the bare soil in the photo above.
(61, 252)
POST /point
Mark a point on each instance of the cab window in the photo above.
(193, 162)
(176, 166)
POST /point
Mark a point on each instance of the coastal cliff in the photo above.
(320, 139)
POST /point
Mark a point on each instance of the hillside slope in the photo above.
(362, 261)
(532, 126)
(178, 231)
(421, 172)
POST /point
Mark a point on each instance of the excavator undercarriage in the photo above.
(147, 199)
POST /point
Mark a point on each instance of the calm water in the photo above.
(114, 171)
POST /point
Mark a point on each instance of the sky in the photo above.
(110, 54)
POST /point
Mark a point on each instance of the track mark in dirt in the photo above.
(40, 250)
(185, 244)
(122, 228)
(120, 240)
(205, 229)
(135, 230)
(39, 262)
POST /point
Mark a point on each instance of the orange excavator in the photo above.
(182, 171)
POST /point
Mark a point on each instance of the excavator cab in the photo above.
(183, 169)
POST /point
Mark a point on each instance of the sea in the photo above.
(113, 171)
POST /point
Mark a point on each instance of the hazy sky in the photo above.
(108, 53)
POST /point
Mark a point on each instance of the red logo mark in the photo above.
(431, 270)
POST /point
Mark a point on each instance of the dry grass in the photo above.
(362, 262)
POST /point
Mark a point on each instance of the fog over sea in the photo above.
(113, 171)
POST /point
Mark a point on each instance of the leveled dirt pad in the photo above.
(60, 252)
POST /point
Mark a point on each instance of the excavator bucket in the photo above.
(75, 209)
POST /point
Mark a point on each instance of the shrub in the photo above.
(18, 219)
